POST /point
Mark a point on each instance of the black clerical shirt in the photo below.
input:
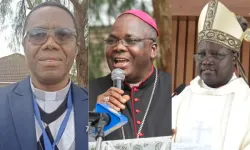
(158, 120)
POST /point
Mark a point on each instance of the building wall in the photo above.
(3, 84)
(194, 7)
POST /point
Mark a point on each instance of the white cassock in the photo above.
(218, 117)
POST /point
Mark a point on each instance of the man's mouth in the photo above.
(207, 70)
(50, 59)
(120, 60)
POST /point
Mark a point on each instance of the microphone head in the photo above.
(180, 88)
(117, 74)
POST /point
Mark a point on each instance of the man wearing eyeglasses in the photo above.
(46, 111)
(146, 97)
(214, 110)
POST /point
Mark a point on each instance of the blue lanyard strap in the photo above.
(47, 143)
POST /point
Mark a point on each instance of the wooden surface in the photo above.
(194, 7)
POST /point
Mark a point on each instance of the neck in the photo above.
(141, 78)
(49, 87)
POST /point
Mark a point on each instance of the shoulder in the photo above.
(7, 89)
(247, 93)
(185, 91)
(79, 89)
(104, 79)
(100, 84)
(4, 92)
(178, 98)
(84, 90)
(164, 77)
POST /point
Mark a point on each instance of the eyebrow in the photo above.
(111, 35)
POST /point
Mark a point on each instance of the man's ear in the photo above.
(154, 50)
(235, 57)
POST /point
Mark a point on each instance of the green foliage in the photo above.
(73, 73)
(5, 10)
(112, 8)
(96, 51)
(18, 16)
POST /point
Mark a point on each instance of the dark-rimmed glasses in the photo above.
(126, 42)
(38, 36)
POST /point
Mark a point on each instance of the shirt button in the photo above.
(135, 89)
(137, 111)
(136, 99)
(141, 134)
(138, 122)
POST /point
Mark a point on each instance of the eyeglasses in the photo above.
(202, 55)
(126, 42)
(38, 36)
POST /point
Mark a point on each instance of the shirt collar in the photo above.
(146, 81)
(50, 96)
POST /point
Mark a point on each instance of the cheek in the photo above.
(141, 46)
(138, 51)
(108, 52)
(70, 52)
(31, 52)
(197, 66)
(225, 69)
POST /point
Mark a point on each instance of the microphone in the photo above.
(115, 121)
(118, 77)
(178, 90)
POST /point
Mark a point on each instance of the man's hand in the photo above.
(113, 97)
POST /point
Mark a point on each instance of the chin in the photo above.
(52, 80)
(211, 83)
(51, 77)
(208, 80)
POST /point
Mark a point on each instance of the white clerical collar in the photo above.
(50, 96)
(207, 87)
(133, 85)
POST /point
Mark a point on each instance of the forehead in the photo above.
(50, 17)
(211, 46)
(128, 24)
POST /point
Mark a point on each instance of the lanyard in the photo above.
(47, 144)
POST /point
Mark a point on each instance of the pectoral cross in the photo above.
(200, 129)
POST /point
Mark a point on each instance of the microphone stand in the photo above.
(99, 124)
(99, 138)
